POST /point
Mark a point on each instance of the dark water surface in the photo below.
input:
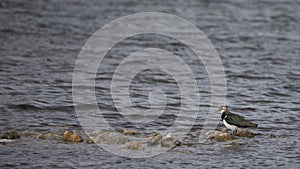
(258, 43)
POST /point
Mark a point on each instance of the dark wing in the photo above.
(239, 121)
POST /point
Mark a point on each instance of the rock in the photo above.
(48, 136)
(39, 130)
(90, 141)
(169, 141)
(235, 141)
(4, 141)
(26, 134)
(11, 135)
(224, 130)
(112, 138)
(96, 136)
(177, 143)
(97, 133)
(256, 142)
(116, 138)
(197, 133)
(218, 135)
(131, 132)
(209, 134)
(187, 152)
(154, 139)
(102, 137)
(70, 136)
(244, 133)
(133, 145)
(272, 135)
(224, 135)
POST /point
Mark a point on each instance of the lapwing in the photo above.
(233, 121)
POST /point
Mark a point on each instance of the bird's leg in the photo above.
(234, 133)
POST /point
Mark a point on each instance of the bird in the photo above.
(234, 121)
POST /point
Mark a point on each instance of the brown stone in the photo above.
(224, 130)
(11, 134)
(209, 134)
(221, 137)
(48, 136)
(70, 136)
(218, 135)
(133, 145)
(131, 132)
(224, 135)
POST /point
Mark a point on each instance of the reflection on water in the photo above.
(258, 43)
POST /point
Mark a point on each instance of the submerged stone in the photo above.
(70, 136)
(112, 138)
(116, 138)
(155, 139)
(133, 145)
(11, 134)
(26, 133)
(97, 133)
(102, 137)
(272, 135)
(169, 141)
(90, 141)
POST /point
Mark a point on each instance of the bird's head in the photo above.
(223, 109)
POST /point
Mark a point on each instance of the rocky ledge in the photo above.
(130, 139)
(224, 135)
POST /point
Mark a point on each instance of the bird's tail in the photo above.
(250, 124)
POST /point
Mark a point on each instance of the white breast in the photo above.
(229, 126)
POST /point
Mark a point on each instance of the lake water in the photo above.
(258, 43)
